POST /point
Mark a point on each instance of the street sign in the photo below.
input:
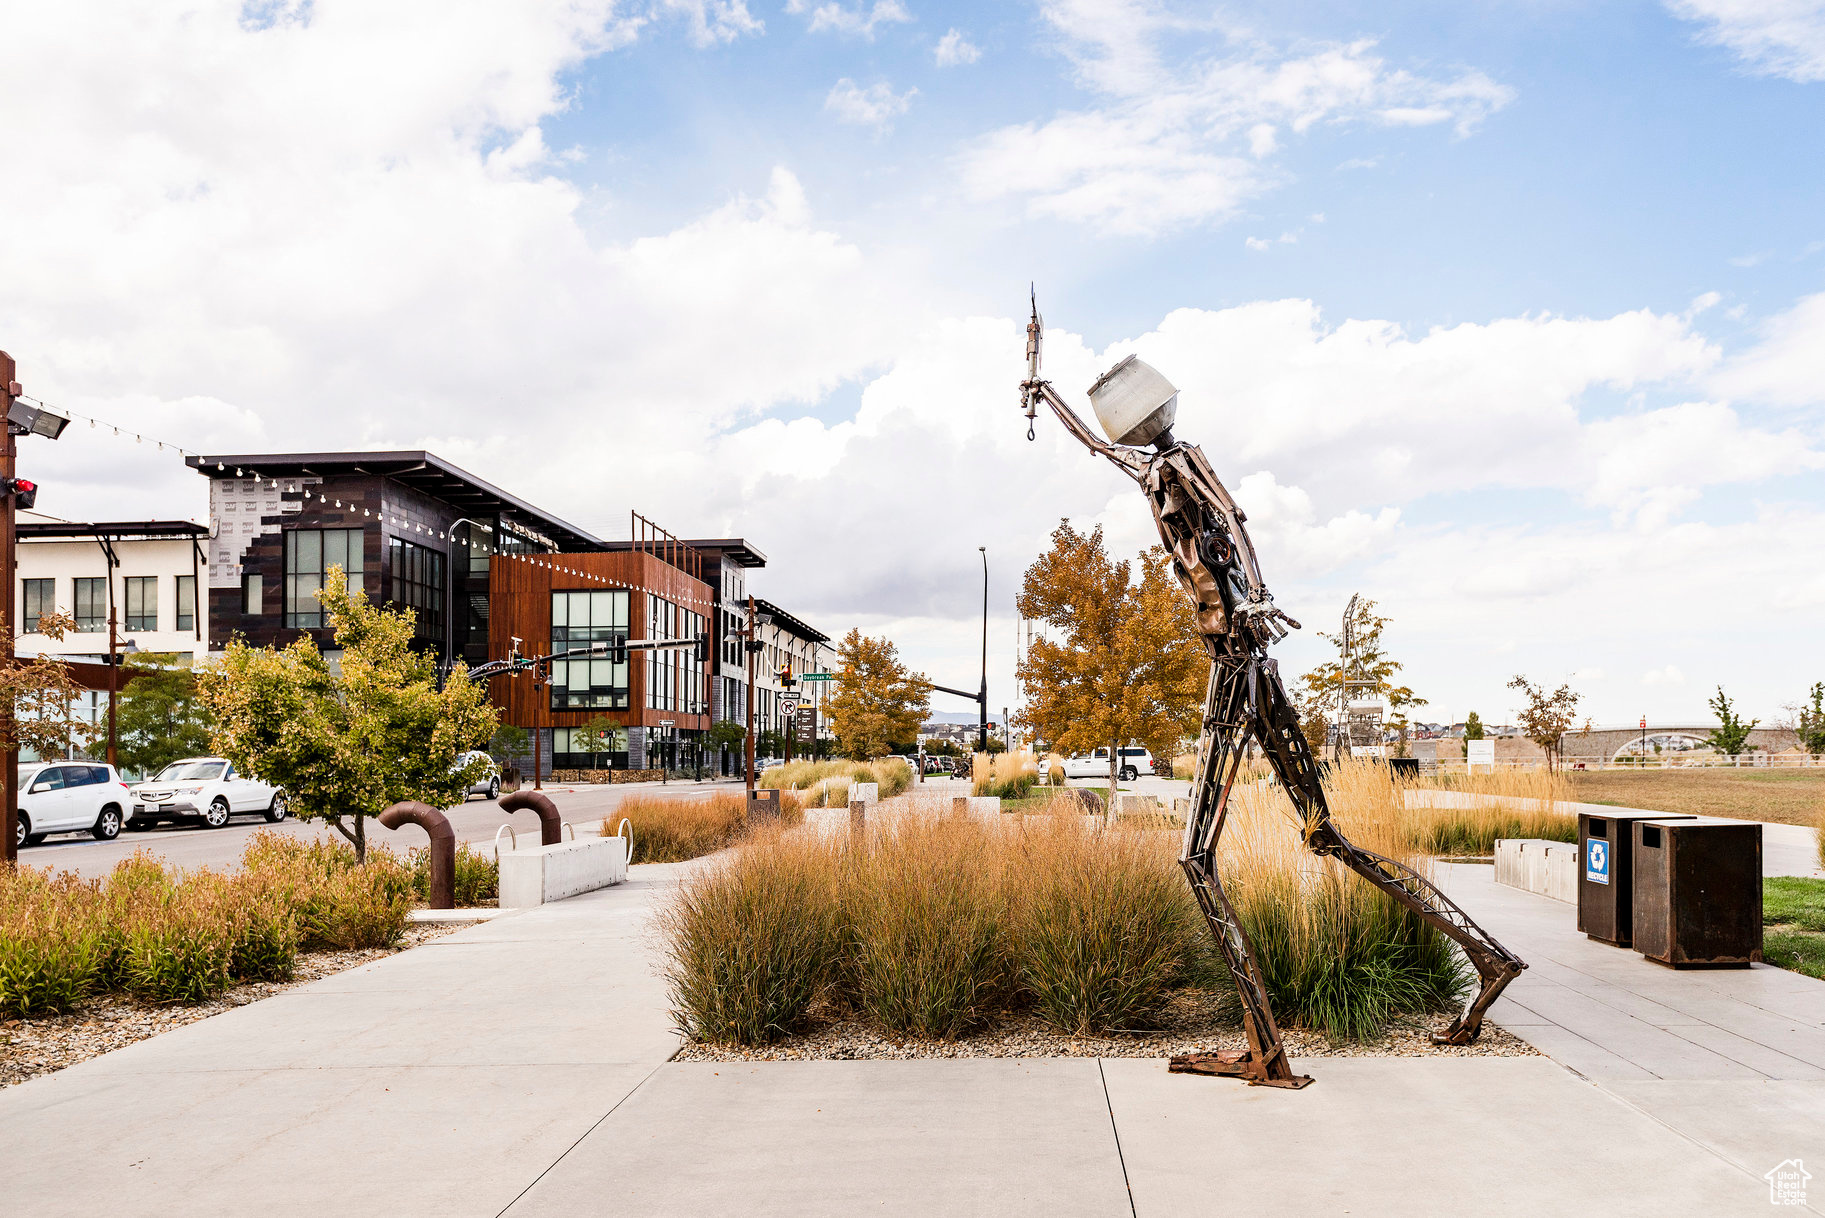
(668, 723)
(817, 676)
(804, 725)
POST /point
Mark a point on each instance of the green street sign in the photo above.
(817, 676)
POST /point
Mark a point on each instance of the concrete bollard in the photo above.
(443, 846)
(551, 829)
(867, 792)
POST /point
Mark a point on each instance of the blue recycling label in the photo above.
(1597, 861)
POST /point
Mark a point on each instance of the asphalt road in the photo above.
(476, 822)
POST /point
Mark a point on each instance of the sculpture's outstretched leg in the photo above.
(1227, 724)
(1278, 729)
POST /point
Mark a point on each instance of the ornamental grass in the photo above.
(673, 830)
(1464, 814)
(1008, 775)
(167, 937)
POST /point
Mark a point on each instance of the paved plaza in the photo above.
(521, 1067)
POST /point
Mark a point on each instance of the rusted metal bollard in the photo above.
(551, 829)
(763, 805)
(443, 846)
(960, 805)
(858, 821)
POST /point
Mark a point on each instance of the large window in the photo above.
(418, 583)
(253, 594)
(91, 605)
(186, 602)
(40, 598)
(309, 554)
(575, 748)
(582, 619)
(674, 678)
(142, 602)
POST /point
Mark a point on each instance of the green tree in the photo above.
(1121, 660)
(509, 742)
(1547, 716)
(726, 734)
(1473, 726)
(1368, 662)
(1809, 721)
(43, 694)
(160, 717)
(877, 702)
(348, 741)
(1732, 733)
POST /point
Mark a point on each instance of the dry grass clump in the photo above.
(672, 830)
(165, 937)
(753, 941)
(1337, 954)
(830, 780)
(937, 924)
(1009, 775)
(1506, 803)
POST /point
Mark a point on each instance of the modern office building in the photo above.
(143, 573)
(482, 568)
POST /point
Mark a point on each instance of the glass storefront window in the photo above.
(583, 619)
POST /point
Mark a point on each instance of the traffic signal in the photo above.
(703, 648)
(23, 490)
(617, 649)
(785, 676)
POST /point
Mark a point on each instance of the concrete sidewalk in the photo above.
(521, 1068)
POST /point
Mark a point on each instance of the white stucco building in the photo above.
(145, 571)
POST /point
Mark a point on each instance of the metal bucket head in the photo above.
(1134, 404)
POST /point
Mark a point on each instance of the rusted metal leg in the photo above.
(442, 846)
(551, 828)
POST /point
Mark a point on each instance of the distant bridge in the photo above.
(1613, 743)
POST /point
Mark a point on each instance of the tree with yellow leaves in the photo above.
(1122, 660)
(878, 703)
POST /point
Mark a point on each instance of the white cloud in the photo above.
(1772, 37)
(715, 21)
(955, 49)
(876, 106)
(1166, 147)
(1787, 367)
(860, 20)
(1669, 675)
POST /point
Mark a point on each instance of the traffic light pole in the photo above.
(9, 763)
(750, 645)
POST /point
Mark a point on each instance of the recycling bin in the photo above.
(1606, 873)
(1698, 892)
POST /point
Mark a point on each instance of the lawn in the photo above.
(1793, 918)
(1791, 797)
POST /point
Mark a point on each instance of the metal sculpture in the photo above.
(1212, 556)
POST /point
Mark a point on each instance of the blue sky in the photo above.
(1508, 315)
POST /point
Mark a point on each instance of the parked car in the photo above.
(768, 763)
(1131, 764)
(489, 782)
(70, 797)
(204, 789)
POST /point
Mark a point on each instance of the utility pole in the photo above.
(982, 697)
(9, 764)
(750, 645)
(113, 680)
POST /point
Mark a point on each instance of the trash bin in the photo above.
(1698, 892)
(763, 804)
(1606, 873)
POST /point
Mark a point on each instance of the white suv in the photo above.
(206, 789)
(1134, 762)
(70, 797)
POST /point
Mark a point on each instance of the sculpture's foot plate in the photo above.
(1237, 1063)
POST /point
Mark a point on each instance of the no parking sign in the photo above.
(1597, 861)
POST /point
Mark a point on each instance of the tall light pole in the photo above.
(21, 420)
(982, 699)
(116, 653)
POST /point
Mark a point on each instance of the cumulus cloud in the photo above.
(954, 49)
(1770, 37)
(715, 21)
(876, 106)
(1169, 146)
(860, 20)
(1787, 367)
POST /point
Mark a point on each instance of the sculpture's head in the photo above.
(1134, 404)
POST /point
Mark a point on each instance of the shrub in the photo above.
(923, 921)
(477, 875)
(182, 948)
(265, 933)
(359, 907)
(49, 955)
(751, 941)
(1104, 926)
(1009, 775)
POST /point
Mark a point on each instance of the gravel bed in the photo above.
(1191, 1021)
(31, 1047)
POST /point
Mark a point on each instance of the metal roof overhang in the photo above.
(422, 471)
(113, 530)
(795, 625)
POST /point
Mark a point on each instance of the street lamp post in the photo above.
(982, 699)
(21, 420)
(117, 651)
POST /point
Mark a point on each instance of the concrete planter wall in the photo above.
(1539, 866)
(535, 875)
(586, 777)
